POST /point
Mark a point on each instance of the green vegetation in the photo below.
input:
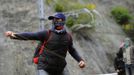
(124, 18)
(121, 15)
(83, 18)
(58, 7)
(70, 21)
(67, 5)
(90, 6)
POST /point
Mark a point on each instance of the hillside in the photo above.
(97, 46)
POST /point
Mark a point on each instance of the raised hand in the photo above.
(9, 34)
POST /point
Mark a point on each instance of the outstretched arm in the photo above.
(27, 35)
(76, 55)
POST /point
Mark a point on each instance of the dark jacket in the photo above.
(119, 63)
(53, 56)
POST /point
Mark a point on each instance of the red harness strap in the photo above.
(36, 59)
(45, 42)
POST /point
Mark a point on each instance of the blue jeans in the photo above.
(43, 72)
(129, 69)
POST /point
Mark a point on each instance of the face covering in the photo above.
(58, 26)
(127, 43)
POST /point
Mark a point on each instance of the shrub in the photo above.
(70, 21)
(121, 15)
(90, 6)
(58, 7)
(83, 18)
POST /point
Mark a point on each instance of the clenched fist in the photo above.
(81, 64)
(9, 34)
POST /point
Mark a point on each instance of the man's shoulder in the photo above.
(43, 33)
